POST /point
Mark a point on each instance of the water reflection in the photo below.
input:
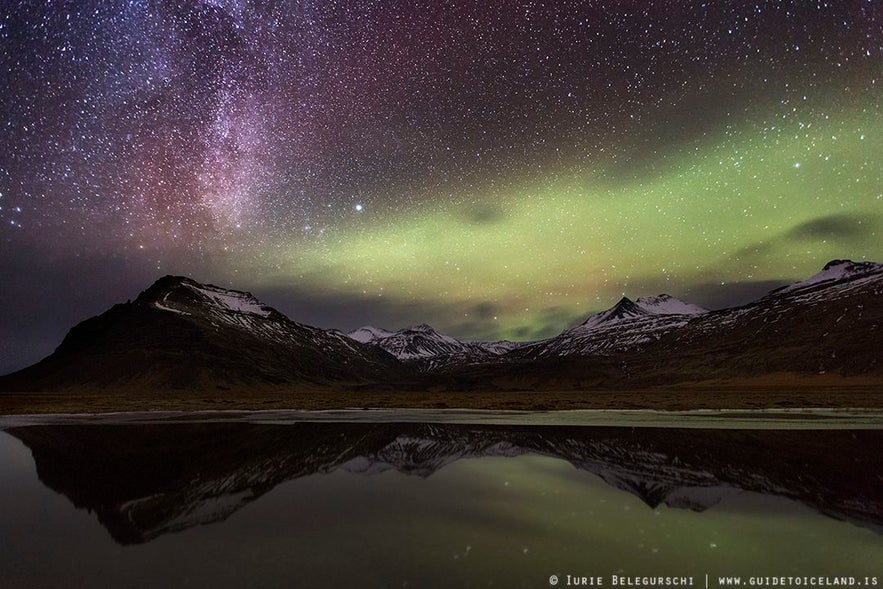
(144, 481)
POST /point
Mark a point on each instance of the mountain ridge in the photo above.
(179, 334)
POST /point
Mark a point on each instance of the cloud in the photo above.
(714, 295)
(349, 310)
(842, 226)
(463, 319)
(839, 230)
(760, 249)
(549, 322)
(485, 310)
(484, 214)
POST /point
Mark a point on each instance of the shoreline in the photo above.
(709, 397)
(792, 418)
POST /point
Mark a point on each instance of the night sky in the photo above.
(497, 169)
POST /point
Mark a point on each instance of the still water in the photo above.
(214, 503)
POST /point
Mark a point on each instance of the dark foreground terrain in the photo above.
(785, 392)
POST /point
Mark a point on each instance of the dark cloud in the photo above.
(543, 331)
(843, 227)
(482, 331)
(484, 214)
(691, 123)
(484, 327)
(485, 310)
(707, 288)
(756, 250)
(348, 311)
(714, 295)
(464, 320)
(551, 321)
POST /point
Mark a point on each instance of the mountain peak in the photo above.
(164, 285)
(665, 304)
(833, 272)
(848, 267)
(423, 342)
(625, 308)
(836, 263)
(368, 333)
(183, 295)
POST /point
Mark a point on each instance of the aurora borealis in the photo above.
(497, 169)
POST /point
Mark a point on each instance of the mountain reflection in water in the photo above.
(146, 480)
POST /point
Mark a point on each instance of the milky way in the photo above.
(498, 169)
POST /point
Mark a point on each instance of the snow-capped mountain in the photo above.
(668, 305)
(687, 468)
(644, 307)
(625, 326)
(181, 334)
(369, 334)
(837, 276)
(220, 300)
(423, 344)
(831, 323)
(416, 342)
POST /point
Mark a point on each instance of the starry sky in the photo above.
(498, 169)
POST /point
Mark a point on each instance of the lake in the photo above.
(440, 499)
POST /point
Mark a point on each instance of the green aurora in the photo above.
(775, 198)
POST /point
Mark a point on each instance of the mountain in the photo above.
(668, 305)
(180, 334)
(837, 276)
(369, 334)
(144, 481)
(644, 307)
(426, 348)
(829, 324)
(625, 326)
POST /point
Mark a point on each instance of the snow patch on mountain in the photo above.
(232, 300)
(427, 331)
(423, 342)
(625, 326)
(624, 310)
(497, 348)
(627, 310)
(368, 334)
(668, 305)
(834, 272)
(163, 305)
